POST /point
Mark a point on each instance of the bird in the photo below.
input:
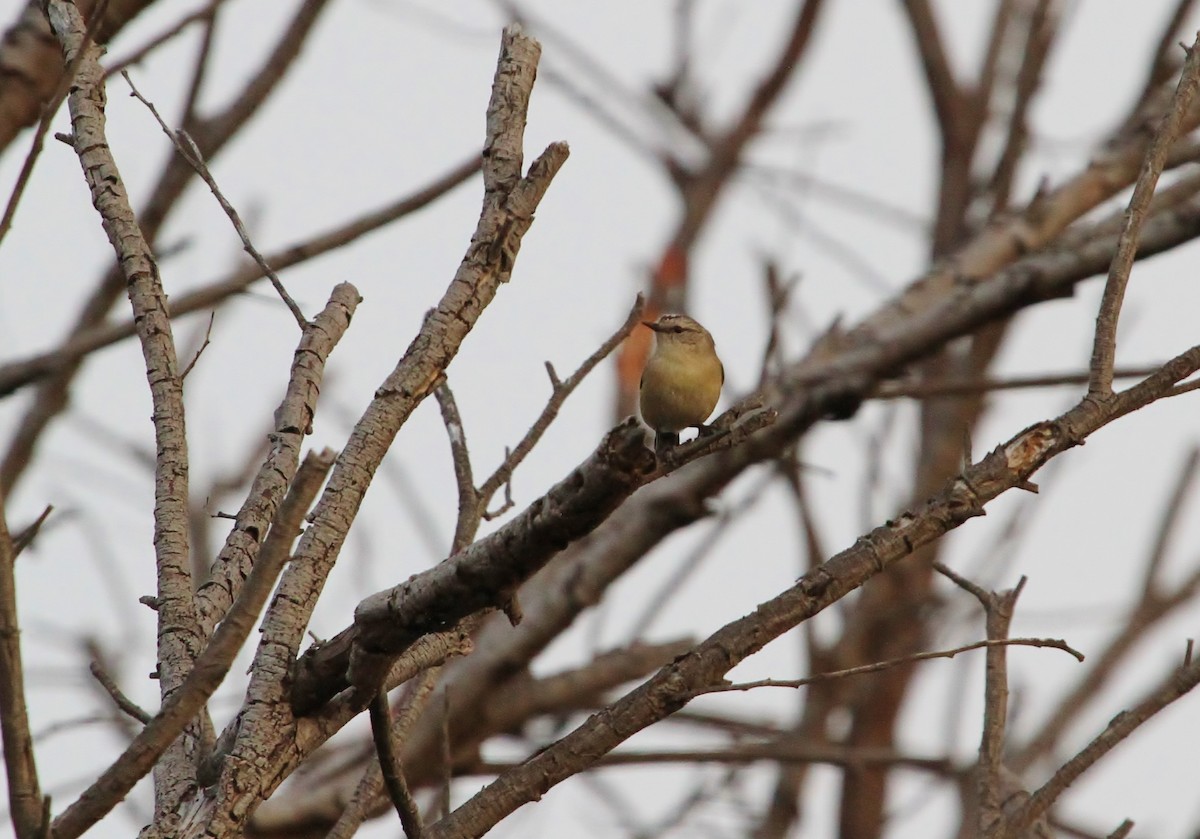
(681, 381)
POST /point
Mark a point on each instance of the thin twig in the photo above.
(1055, 643)
(1041, 29)
(25, 536)
(367, 790)
(190, 152)
(785, 749)
(558, 396)
(998, 608)
(1123, 830)
(16, 374)
(203, 346)
(778, 293)
(195, 85)
(24, 793)
(391, 768)
(1165, 58)
(964, 386)
(168, 34)
(1104, 348)
(1185, 387)
(468, 498)
(1168, 525)
(127, 705)
(508, 503)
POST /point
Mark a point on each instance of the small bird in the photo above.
(681, 381)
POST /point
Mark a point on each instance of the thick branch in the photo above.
(293, 420)
(211, 666)
(510, 200)
(178, 629)
(483, 574)
(1010, 465)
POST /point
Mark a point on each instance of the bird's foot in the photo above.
(664, 444)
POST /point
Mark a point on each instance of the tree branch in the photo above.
(293, 421)
(210, 668)
(510, 200)
(1178, 683)
(19, 373)
(1010, 465)
(1104, 348)
(179, 634)
(25, 803)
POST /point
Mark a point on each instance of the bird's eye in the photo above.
(676, 329)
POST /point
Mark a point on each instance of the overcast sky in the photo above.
(387, 96)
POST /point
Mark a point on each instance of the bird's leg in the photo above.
(664, 442)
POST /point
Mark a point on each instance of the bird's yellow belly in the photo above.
(677, 395)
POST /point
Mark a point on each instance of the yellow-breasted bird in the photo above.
(681, 381)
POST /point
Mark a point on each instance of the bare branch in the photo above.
(998, 608)
(1104, 349)
(25, 803)
(168, 34)
(190, 152)
(293, 421)
(1054, 643)
(484, 574)
(391, 770)
(19, 373)
(931, 388)
(510, 200)
(211, 666)
(178, 628)
(561, 390)
(468, 498)
(127, 705)
(1177, 684)
(1009, 466)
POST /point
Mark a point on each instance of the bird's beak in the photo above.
(652, 325)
